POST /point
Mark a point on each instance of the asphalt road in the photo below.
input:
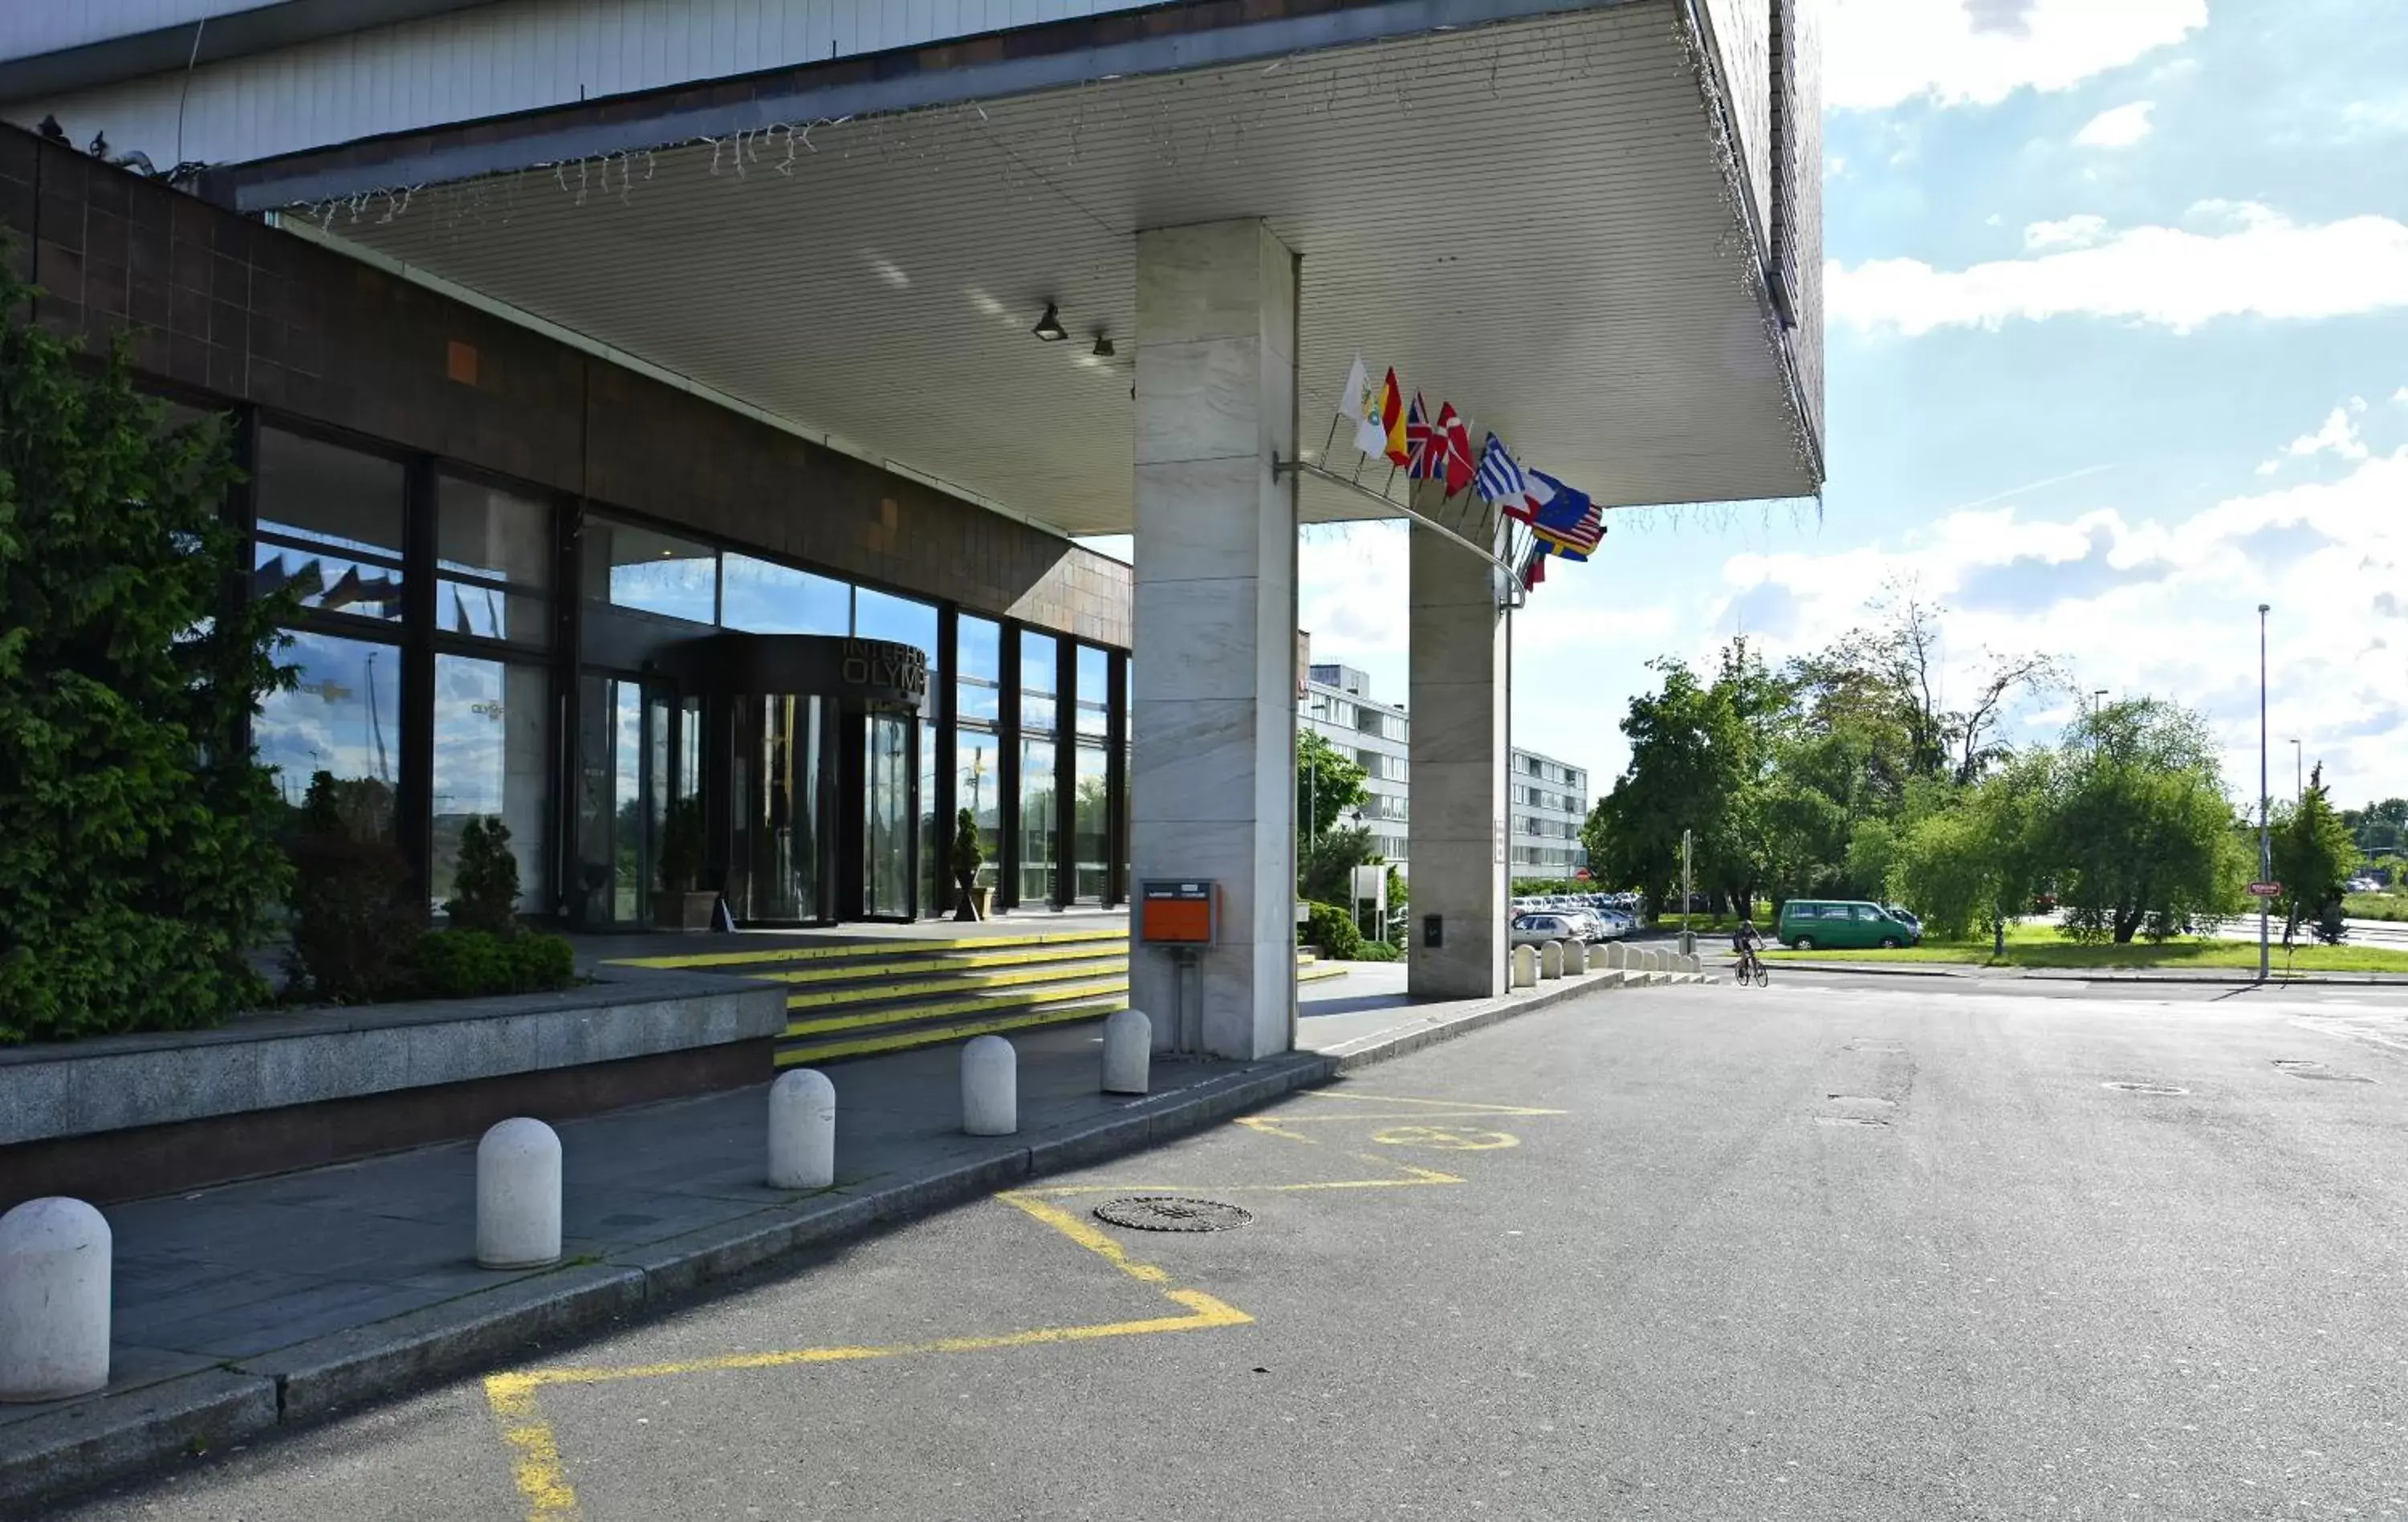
(1838, 1248)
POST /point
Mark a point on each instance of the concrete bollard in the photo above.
(1575, 958)
(1654, 960)
(802, 1131)
(1128, 1051)
(518, 1196)
(1551, 959)
(990, 1087)
(1617, 956)
(54, 1271)
(1526, 967)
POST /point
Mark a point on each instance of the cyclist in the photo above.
(1744, 941)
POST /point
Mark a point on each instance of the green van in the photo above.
(1832, 924)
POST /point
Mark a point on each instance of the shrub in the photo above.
(355, 918)
(485, 883)
(1377, 951)
(1332, 929)
(473, 964)
(137, 839)
(968, 854)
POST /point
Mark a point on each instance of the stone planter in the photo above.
(691, 913)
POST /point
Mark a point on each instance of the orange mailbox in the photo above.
(1179, 912)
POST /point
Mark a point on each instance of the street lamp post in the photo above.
(2299, 777)
(2265, 837)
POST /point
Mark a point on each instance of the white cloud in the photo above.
(1878, 53)
(2400, 395)
(2079, 231)
(2162, 606)
(2267, 267)
(2120, 127)
(2338, 435)
(2374, 118)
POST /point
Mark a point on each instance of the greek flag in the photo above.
(1501, 482)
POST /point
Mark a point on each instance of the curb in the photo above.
(1942, 970)
(94, 1443)
(1974, 972)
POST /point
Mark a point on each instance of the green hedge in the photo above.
(471, 964)
(1377, 951)
(1332, 929)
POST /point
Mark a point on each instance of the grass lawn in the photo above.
(2375, 906)
(2041, 945)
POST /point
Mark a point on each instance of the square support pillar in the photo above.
(1456, 833)
(1212, 720)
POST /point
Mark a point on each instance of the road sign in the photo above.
(2266, 890)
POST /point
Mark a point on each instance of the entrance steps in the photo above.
(856, 997)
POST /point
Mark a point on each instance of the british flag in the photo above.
(1437, 449)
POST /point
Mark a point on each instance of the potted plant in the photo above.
(967, 858)
(684, 903)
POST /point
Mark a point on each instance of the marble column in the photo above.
(1456, 646)
(1212, 722)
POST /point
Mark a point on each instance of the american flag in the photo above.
(1566, 519)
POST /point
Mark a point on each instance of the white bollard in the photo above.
(1551, 959)
(54, 1268)
(802, 1131)
(518, 1196)
(1653, 960)
(1575, 958)
(990, 1087)
(1128, 1051)
(1526, 967)
(1617, 956)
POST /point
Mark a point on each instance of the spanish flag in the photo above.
(1382, 430)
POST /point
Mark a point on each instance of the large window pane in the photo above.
(934, 898)
(1040, 822)
(344, 718)
(490, 612)
(328, 493)
(628, 567)
(1094, 691)
(883, 615)
(767, 599)
(978, 786)
(491, 761)
(363, 589)
(979, 649)
(1036, 683)
(1089, 838)
(498, 536)
(886, 818)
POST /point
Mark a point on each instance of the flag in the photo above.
(1457, 437)
(1534, 568)
(1566, 520)
(1350, 396)
(1501, 482)
(1382, 431)
(1422, 443)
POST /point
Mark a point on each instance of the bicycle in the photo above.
(1749, 962)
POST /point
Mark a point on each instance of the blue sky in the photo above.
(2119, 349)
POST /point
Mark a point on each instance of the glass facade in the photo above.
(434, 664)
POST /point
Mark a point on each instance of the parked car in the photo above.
(1538, 930)
(1905, 916)
(1835, 924)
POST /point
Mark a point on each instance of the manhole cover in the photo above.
(2303, 1068)
(1169, 1212)
(2146, 1088)
(1848, 1120)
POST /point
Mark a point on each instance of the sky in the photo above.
(2117, 306)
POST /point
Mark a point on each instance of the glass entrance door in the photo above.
(625, 775)
(781, 810)
(888, 778)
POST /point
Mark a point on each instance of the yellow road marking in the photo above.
(1446, 1139)
(1086, 1236)
(535, 1462)
(1465, 1106)
(1418, 1176)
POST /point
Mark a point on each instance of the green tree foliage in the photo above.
(485, 883)
(2379, 827)
(1328, 784)
(356, 920)
(1327, 873)
(2313, 857)
(1332, 928)
(1976, 862)
(1693, 763)
(136, 826)
(2142, 833)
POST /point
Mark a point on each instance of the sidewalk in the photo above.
(282, 1300)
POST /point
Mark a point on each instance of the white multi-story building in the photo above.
(1548, 798)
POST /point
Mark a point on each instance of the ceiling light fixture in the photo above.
(1049, 328)
(1103, 347)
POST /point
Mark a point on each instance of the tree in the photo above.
(137, 827)
(1976, 862)
(2139, 828)
(2313, 857)
(1328, 783)
(1326, 873)
(1694, 756)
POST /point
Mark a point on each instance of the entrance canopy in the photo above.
(1539, 221)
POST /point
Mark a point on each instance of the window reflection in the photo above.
(1037, 682)
(344, 717)
(767, 599)
(629, 566)
(978, 649)
(328, 494)
(327, 582)
(492, 761)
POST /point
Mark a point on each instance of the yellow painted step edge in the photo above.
(886, 946)
(939, 985)
(959, 1006)
(951, 1033)
(1319, 974)
(1083, 952)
